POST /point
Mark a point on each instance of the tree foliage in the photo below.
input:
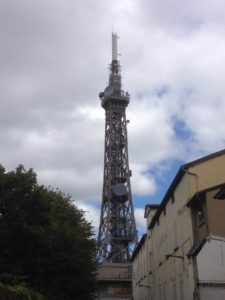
(45, 237)
(18, 292)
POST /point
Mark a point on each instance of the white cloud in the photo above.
(92, 213)
(54, 60)
(142, 182)
(140, 221)
(151, 131)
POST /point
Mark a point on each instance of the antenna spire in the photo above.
(114, 46)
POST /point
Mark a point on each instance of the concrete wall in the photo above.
(211, 261)
(215, 214)
(209, 173)
(140, 270)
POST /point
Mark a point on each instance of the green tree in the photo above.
(44, 236)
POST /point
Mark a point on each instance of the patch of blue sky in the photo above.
(141, 95)
(181, 131)
(159, 91)
(163, 180)
(162, 90)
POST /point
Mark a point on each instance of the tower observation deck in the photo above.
(117, 231)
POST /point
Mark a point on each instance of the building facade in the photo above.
(183, 253)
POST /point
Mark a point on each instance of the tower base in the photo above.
(114, 281)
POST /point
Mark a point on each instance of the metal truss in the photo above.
(117, 231)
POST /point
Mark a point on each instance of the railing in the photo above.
(114, 272)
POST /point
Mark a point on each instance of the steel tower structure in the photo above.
(117, 231)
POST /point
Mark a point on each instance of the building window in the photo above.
(117, 290)
(120, 291)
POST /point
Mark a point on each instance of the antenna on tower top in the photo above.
(114, 46)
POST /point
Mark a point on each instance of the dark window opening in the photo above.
(220, 195)
(200, 214)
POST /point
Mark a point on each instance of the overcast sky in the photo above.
(54, 58)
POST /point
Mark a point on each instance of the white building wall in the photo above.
(211, 261)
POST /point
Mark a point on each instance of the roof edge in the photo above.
(177, 179)
(151, 206)
(139, 245)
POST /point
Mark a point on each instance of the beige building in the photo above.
(182, 256)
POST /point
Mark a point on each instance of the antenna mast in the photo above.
(114, 46)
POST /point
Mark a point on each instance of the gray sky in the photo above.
(54, 58)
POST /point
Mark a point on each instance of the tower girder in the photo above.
(117, 230)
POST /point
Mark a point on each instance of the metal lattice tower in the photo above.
(117, 231)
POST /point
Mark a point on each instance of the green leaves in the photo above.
(44, 236)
